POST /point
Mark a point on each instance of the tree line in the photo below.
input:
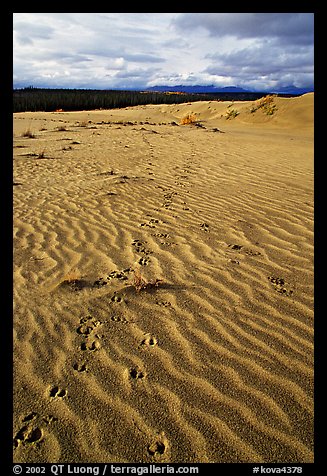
(42, 99)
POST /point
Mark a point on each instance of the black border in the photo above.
(6, 255)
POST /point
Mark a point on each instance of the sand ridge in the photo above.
(214, 363)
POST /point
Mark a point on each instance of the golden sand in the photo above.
(214, 363)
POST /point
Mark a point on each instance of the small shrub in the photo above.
(61, 128)
(231, 114)
(139, 282)
(266, 104)
(188, 119)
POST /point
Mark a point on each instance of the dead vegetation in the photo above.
(29, 134)
(266, 104)
(140, 284)
(188, 119)
(73, 280)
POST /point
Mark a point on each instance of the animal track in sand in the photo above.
(168, 243)
(234, 261)
(31, 432)
(181, 184)
(168, 200)
(49, 419)
(161, 235)
(164, 235)
(151, 223)
(143, 261)
(149, 341)
(84, 330)
(235, 247)
(88, 324)
(28, 434)
(204, 227)
(116, 298)
(90, 346)
(89, 318)
(163, 303)
(119, 319)
(159, 446)
(30, 417)
(100, 282)
(244, 249)
(250, 252)
(80, 367)
(280, 285)
(136, 373)
(56, 392)
(140, 248)
(121, 275)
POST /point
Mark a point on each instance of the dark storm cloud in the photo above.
(268, 60)
(261, 59)
(288, 27)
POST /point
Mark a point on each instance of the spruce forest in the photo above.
(39, 99)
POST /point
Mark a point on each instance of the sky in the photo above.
(257, 51)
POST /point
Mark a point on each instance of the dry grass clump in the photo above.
(83, 123)
(266, 104)
(28, 133)
(73, 279)
(188, 119)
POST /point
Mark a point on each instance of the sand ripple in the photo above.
(215, 364)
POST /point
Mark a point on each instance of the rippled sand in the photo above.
(215, 362)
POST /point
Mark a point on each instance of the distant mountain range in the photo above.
(228, 89)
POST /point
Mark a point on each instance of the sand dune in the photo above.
(215, 362)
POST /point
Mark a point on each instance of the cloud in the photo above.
(25, 32)
(291, 27)
(262, 59)
(106, 50)
(143, 58)
(265, 61)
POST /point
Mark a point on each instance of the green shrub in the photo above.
(231, 114)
